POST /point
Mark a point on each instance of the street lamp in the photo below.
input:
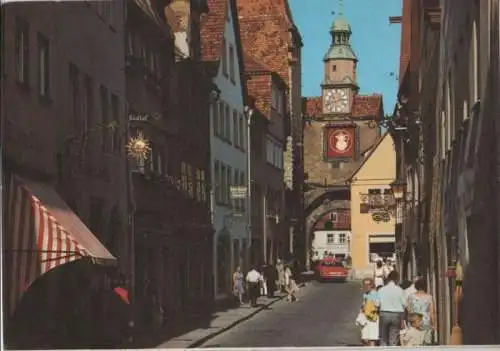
(398, 189)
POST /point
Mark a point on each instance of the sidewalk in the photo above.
(222, 322)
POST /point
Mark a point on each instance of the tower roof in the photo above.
(340, 48)
(340, 24)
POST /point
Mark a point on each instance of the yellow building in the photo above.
(372, 211)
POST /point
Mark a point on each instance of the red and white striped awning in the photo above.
(43, 233)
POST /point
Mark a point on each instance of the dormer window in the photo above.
(277, 99)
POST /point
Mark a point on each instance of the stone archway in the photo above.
(316, 214)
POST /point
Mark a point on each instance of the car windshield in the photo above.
(332, 264)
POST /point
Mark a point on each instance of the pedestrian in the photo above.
(414, 335)
(370, 329)
(280, 268)
(291, 285)
(392, 306)
(263, 284)
(411, 289)
(421, 302)
(253, 278)
(379, 273)
(238, 285)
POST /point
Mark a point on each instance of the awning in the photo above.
(43, 233)
(382, 239)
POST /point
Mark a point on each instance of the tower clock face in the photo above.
(335, 101)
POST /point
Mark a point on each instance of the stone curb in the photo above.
(233, 324)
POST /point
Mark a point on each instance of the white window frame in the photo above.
(330, 238)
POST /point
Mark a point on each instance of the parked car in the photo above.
(332, 269)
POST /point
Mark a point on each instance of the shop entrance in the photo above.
(381, 246)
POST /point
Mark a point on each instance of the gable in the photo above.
(380, 164)
(231, 35)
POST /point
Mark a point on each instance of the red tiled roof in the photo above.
(311, 106)
(264, 33)
(367, 105)
(212, 30)
(363, 106)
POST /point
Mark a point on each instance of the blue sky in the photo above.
(375, 41)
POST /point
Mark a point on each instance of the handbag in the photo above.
(361, 320)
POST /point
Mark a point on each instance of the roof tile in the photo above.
(363, 106)
(212, 30)
(311, 106)
(367, 105)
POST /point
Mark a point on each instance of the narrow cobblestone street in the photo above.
(324, 316)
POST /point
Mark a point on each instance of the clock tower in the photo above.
(339, 84)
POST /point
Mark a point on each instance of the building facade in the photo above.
(285, 60)
(269, 125)
(64, 132)
(340, 129)
(372, 211)
(448, 90)
(229, 133)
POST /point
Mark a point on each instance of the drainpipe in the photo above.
(248, 114)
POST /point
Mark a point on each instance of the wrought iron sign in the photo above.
(381, 206)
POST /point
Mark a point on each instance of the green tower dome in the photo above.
(340, 25)
(340, 48)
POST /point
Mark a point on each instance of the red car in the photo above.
(332, 269)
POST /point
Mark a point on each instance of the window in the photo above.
(224, 57)
(223, 195)
(198, 185)
(222, 119)
(215, 118)
(43, 67)
(242, 184)
(231, 64)
(334, 68)
(277, 100)
(241, 133)
(329, 238)
(203, 186)
(103, 92)
(130, 42)
(184, 177)
(269, 151)
(190, 181)
(74, 95)
(342, 238)
(88, 103)
(227, 116)
(156, 159)
(229, 179)
(217, 182)
(333, 217)
(115, 130)
(22, 52)
(236, 131)
(236, 202)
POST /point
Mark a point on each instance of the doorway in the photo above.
(381, 246)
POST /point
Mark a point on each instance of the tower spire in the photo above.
(341, 7)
